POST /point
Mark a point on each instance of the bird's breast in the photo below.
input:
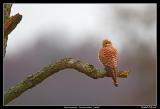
(108, 56)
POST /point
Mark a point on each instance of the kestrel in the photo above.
(108, 57)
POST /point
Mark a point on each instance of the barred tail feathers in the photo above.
(112, 72)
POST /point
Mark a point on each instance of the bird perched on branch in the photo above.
(108, 57)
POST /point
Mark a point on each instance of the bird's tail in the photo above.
(113, 73)
(114, 77)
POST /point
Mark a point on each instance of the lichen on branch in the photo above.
(6, 10)
(38, 77)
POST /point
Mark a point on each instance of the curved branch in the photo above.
(38, 77)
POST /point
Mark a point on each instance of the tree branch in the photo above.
(38, 77)
(9, 24)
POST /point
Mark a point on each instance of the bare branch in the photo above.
(11, 23)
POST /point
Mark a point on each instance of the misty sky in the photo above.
(76, 20)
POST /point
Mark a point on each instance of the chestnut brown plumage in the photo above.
(108, 57)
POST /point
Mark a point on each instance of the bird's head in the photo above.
(106, 43)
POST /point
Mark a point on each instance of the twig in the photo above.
(51, 69)
(11, 23)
